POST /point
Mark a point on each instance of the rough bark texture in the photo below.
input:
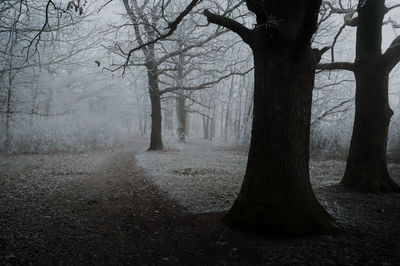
(155, 135)
(366, 168)
(276, 194)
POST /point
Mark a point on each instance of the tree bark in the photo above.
(366, 168)
(276, 195)
(156, 123)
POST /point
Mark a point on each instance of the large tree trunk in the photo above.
(155, 135)
(366, 168)
(276, 195)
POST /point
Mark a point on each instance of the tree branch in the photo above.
(319, 52)
(392, 55)
(333, 110)
(392, 7)
(205, 84)
(171, 28)
(336, 66)
(228, 23)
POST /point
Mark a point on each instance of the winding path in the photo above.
(98, 209)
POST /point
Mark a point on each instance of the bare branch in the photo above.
(103, 6)
(335, 41)
(228, 23)
(336, 66)
(319, 52)
(392, 55)
(388, 9)
(205, 84)
(333, 110)
(171, 28)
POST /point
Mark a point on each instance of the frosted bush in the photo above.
(67, 133)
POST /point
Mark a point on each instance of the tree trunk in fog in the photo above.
(228, 109)
(181, 111)
(34, 99)
(49, 99)
(152, 70)
(145, 124)
(187, 126)
(238, 118)
(8, 113)
(140, 126)
(276, 194)
(7, 141)
(156, 123)
(181, 114)
(206, 125)
(366, 168)
(222, 120)
(212, 127)
(168, 119)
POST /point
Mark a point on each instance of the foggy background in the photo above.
(68, 91)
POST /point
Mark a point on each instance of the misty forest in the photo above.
(200, 132)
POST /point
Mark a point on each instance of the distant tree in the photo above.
(201, 67)
(28, 31)
(145, 24)
(366, 168)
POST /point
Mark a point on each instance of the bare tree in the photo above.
(366, 168)
(276, 195)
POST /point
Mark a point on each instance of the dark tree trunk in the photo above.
(155, 135)
(276, 195)
(181, 114)
(366, 168)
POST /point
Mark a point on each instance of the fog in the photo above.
(69, 88)
(150, 132)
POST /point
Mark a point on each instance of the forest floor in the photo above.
(129, 206)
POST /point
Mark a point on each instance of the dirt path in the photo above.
(98, 209)
(81, 209)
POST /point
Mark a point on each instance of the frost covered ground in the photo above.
(206, 177)
(99, 208)
(201, 176)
